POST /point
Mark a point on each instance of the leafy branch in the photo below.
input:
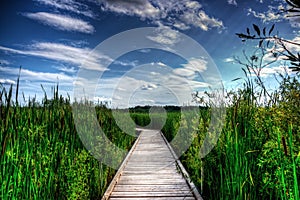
(266, 37)
(294, 9)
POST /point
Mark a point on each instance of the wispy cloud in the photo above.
(61, 22)
(191, 68)
(229, 60)
(271, 71)
(177, 14)
(155, 83)
(270, 16)
(269, 57)
(69, 5)
(66, 69)
(126, 63)
(165, 35)
(63, 53)
(295, 22)
(232, 2)
(33, 76)
(141, 8)
(31, 81)
(7, 81)
(4, 62)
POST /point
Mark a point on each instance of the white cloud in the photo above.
(71, 70)
(31, 81)
(145, 50)
(181, 25)
(36, 76)
(201, 20)
(154, 73)
(63, 53)
(184, 72)
(178, 14)
(197, 84)
(229, 60)
(149, 86)
(161, 64)
(141, 8)
(196, 64)
(273, 14)
(61, 22)
(69, 5)
(7, 81)
(295, 22)
(191, 68)
(232, 2)
(293, 48)
(270, 16)
(126, 63)
(271, 71)
(4, 62)
(165, 35)
(154, 82)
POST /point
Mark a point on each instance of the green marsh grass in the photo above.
(256, 157)
(258, 153)
(42, 156)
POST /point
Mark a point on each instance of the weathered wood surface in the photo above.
(151, 171)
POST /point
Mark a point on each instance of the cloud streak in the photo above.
(177, 14)
(36, 76)
(271, 71)
(61, 22)
(232, 2)
(269, 16)
(7, 81)
(63, 53)
(69, 5)
(191, 68)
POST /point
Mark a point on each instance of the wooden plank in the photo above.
(151, 194)
(153, 182)
(141, 188)
(184, 172)
(151, 198)
(115, 179)
(150, 172)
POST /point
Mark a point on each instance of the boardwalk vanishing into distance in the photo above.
(151, 170)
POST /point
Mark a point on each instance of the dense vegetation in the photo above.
(42, 157)
(258, 153)
(256, 157)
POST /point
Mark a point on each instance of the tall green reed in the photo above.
(42, 156)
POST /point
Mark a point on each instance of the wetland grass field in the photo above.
(256, 157)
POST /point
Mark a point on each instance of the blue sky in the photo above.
(53, 39)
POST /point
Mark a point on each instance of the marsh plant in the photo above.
(42, 157)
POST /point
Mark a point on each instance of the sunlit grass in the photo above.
(42, 156)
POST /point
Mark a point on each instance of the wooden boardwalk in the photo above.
(151, 170)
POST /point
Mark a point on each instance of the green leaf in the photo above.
(256, 28)
(272, 28)
(236, 79)
(268, 43)
(290, 3)
(245, 71)
(296, 64)
(260, 43)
